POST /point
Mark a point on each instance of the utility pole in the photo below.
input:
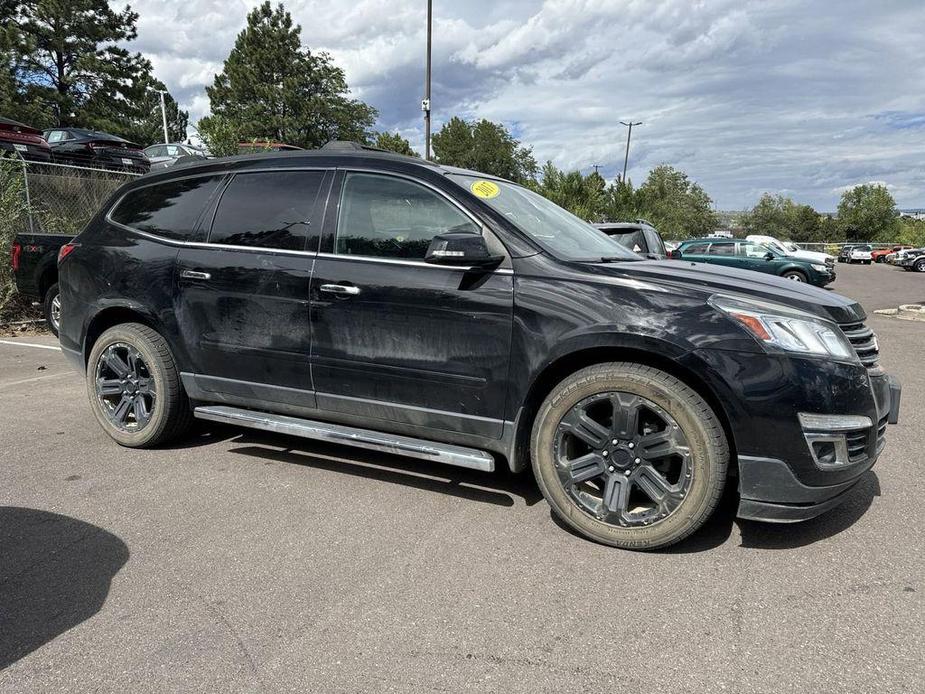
(596, 167)
(629, 134)
(164, 115)
(425, 103)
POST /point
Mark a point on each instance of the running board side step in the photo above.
(449, 454)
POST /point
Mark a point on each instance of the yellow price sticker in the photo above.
(485, 189)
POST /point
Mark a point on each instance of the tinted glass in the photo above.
(753, 250)
(56, 136)
(267, 210)
(722, 249)
(634, 239)
(391, 217)
(555, 229)
(695, 249)
(168, 209)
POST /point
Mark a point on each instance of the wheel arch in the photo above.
(666, 360)
(110, 316)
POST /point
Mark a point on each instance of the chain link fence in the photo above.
(61, 199)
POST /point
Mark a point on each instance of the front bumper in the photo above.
(770, 492)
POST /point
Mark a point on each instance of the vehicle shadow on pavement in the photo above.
(500, 488)
(790, 535)
(55, 572)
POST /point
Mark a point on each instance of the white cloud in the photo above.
(747, 96)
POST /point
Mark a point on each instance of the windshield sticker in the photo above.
(485, 189)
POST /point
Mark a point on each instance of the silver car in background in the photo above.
(165, 156)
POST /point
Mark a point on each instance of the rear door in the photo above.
(242, 302)
(395, 338)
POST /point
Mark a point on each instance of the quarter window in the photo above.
(169, 209)
(267, 209)
(384, 216)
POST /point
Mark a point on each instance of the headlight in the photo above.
(780, 327)
(819, 268)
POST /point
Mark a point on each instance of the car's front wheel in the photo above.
(134, 387)
(794, 275)
(629, 455)
(920, 265)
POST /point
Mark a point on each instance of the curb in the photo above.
(904, 312)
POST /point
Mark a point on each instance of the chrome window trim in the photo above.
(206, 244)
(412, 263)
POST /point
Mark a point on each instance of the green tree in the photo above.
(677, 206)
(484, 146)
(71, 63)
(220, 135)
(620, 204)
(868, 212)
(393, 142)
(581, 195)
(272, 87)
(781, 217)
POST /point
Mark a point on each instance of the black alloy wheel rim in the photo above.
(622, 459)
(125, 387)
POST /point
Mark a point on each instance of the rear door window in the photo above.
(722, 249)
(171, 209)
(267, 209)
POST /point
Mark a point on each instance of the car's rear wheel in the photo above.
(134, 387)
(52, 309)
(794, 275)
(629, 455)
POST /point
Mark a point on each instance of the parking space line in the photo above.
(32, 380)
(28, 344)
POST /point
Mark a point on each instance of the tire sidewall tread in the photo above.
(707, 440)
(172, 415)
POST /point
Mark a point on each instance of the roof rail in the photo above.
(350, 145)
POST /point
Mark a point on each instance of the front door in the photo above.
(395, 338)
(242, 301)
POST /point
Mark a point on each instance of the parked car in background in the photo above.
(22, 141)
(845, 252)
(258, 146)
(860, 254)
(913, 259)
(898, 257)
(748, 255)
(639, 237)
(791, 249)
(165, 156)
(34, 262)
(880, 255)
(90, 148)
(390, 303)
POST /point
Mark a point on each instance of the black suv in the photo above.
(386, 302)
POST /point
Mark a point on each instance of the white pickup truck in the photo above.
(791, 249)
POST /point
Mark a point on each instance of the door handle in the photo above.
(341, 289)
(195, 275)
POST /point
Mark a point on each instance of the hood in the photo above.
(811, 256)
(727, 280)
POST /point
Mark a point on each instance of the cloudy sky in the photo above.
(800, 97)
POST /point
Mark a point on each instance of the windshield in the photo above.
(773, 245)
(559, 232)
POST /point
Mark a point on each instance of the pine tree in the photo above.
(272, 88)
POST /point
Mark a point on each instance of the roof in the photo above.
(16, 124)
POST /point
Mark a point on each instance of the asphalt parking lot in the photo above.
(244, 562)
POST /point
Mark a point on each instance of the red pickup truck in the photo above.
(879, 255)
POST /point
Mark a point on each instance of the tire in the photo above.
(51, 307)
(655, 395)
(794, 276)
(867, 262)
(154, 381)
(920, 265)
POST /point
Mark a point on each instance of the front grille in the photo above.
(881, 432)
(864, 342)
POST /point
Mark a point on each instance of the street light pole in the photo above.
(425, 104)
(164, 114)
(629, 134)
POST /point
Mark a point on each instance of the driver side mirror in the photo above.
(458, 248)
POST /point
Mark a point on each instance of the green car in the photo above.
(748, 255)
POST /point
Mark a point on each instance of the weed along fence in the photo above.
(60, 199)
